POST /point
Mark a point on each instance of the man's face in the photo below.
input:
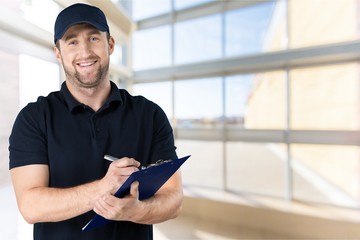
(85, 53)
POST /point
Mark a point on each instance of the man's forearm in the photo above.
(44, 204)
(39, 203)
(165, 204)
(161, 207)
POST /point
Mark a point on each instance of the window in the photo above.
(160, 93)
(237, 94)
(244, 128)
(34, 12)
(198, 102)
(181, 4)
(256, 168)
(198, 39)
(248, 29)
(325, 98)
(337, 23)
(266, 104)
(152, 48)
(206, 162)
(37, 78)
(331, 172)
(145, 8)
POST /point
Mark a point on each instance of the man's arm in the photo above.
(38, 202)
(164, 205)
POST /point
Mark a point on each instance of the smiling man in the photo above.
(57, 144)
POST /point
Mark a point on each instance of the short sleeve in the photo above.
(27, 142)
(163, 146)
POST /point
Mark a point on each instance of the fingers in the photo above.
(126, 162)
(106, 206)
(117, 173)
(123, 171)
(111, 207)
(124, 166)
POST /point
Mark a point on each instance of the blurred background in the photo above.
(264, 94)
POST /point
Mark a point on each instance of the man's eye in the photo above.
(71, 43)
(93, 39)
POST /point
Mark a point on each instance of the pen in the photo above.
(111, 159)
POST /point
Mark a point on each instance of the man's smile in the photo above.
(86, 63)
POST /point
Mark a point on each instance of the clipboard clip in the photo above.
(157, 163)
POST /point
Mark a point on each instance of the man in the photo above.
(58, 143)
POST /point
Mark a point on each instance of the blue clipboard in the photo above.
(150, 180)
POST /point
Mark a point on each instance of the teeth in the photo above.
(85, 64)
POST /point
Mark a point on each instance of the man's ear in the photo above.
(57, 54)
(111, 45)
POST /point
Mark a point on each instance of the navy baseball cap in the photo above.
(76, 14)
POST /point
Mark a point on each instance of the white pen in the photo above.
(110, 158)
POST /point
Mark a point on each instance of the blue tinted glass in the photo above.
(247, 29)
(149, 8)
(160, 93)
(238, 90)
(191, 103)
(198, 39)
(151, 48)
(181, 4)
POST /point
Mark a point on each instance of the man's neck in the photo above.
(92, 97)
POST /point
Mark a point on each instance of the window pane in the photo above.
(35, 80)
(266, 105)
(325, 22)
(124, 4)
(9, 97)
(9, 108)
(11, 4)
(198, 102)
(238, 90)
(152, 48)
(120, 56)
(160, 93)
(117, 56)
(254, 29)
(325, 98)
(256, 168)
(205, 167)
(181, 4)
(198, 39)
(34, 12)
(331, 174)
(145, 8)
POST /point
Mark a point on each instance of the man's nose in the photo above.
(84, 48)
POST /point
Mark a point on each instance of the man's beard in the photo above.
(83, 81)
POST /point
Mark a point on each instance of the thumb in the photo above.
(134, 190)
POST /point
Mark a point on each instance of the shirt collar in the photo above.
(73, 104)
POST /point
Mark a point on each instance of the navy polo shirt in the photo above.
(72, 140)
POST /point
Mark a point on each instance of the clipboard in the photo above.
(150, 180)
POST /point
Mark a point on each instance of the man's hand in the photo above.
(121, 209)
(117, 174)
(164, 205)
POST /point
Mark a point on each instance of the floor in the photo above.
(189, 228)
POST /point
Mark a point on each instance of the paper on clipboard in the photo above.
(150, 180)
